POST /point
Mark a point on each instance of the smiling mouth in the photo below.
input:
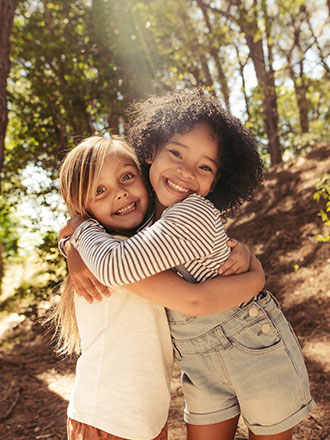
(127, 209)
(176, 187)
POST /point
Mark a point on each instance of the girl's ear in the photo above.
(150, 158)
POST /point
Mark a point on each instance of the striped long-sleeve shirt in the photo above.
(189, 233)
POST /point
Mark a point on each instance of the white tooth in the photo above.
(175, 186)
(126, 209)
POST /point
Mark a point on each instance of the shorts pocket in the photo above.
(259, 336)
(177, 318)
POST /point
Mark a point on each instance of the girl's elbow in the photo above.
(261, 281)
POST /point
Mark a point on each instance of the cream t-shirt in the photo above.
(123, 375)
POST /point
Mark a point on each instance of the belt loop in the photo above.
(223, 338)
(274, 299)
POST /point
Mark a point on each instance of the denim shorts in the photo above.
(250, 363)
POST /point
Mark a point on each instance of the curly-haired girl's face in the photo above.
(186, 164)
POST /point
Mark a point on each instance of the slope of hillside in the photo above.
(280, 226)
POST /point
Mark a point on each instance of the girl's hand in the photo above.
(84, 282)
(238, 261)
(71, 225)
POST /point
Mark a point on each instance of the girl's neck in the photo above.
(124, 233)
(159, 209)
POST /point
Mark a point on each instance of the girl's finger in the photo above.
(229, 271)
(83, 287)
(83, 293)
(232, 242)
(87, 297)
(226, 266)
(93, 291)
(101, 288)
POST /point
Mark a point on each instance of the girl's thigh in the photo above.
(268, 370)
(223, 430)
(80, 431)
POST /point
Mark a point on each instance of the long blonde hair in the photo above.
(78, 176)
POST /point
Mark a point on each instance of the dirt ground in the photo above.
(280, 226)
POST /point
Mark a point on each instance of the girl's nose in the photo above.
(185, 171)
(121, 193)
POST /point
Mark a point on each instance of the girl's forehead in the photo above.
(200, 127)
(119, 159)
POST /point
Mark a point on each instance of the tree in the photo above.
(247, 20)
(66, 83)
(7, 10)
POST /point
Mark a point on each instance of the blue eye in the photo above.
(127, 177)
(99, 190)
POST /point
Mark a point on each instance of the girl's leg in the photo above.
(163, 434)
(216, 431)
(286, 435)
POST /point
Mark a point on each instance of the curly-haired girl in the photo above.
(245, 360)
(154, 121)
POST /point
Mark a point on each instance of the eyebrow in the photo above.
(129, 165)
(185, 146)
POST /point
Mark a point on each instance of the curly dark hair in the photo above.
(154, 121)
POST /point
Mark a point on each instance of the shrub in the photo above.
(323, 192)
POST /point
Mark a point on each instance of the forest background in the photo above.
(70, 69)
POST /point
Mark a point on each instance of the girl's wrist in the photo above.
(76, 221)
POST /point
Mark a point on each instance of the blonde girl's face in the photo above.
(188, 163)
(121, 198)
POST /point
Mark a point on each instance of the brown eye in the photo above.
(206, 168)
(175, 153)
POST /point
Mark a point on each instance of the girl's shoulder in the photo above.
(194, 205)
(195, 200)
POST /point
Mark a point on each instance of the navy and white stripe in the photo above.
(189, 233)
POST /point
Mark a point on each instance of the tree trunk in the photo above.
(267, 83)
(299, 80)
(303, 106)
(301, 90)
(7, 9)
(241, 71)
(215, 55)
(248, 25)
(206, 71)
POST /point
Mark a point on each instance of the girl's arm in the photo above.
(86, 285)
(188, 231)
(84, 282)
(172, 291)
(216, 295)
